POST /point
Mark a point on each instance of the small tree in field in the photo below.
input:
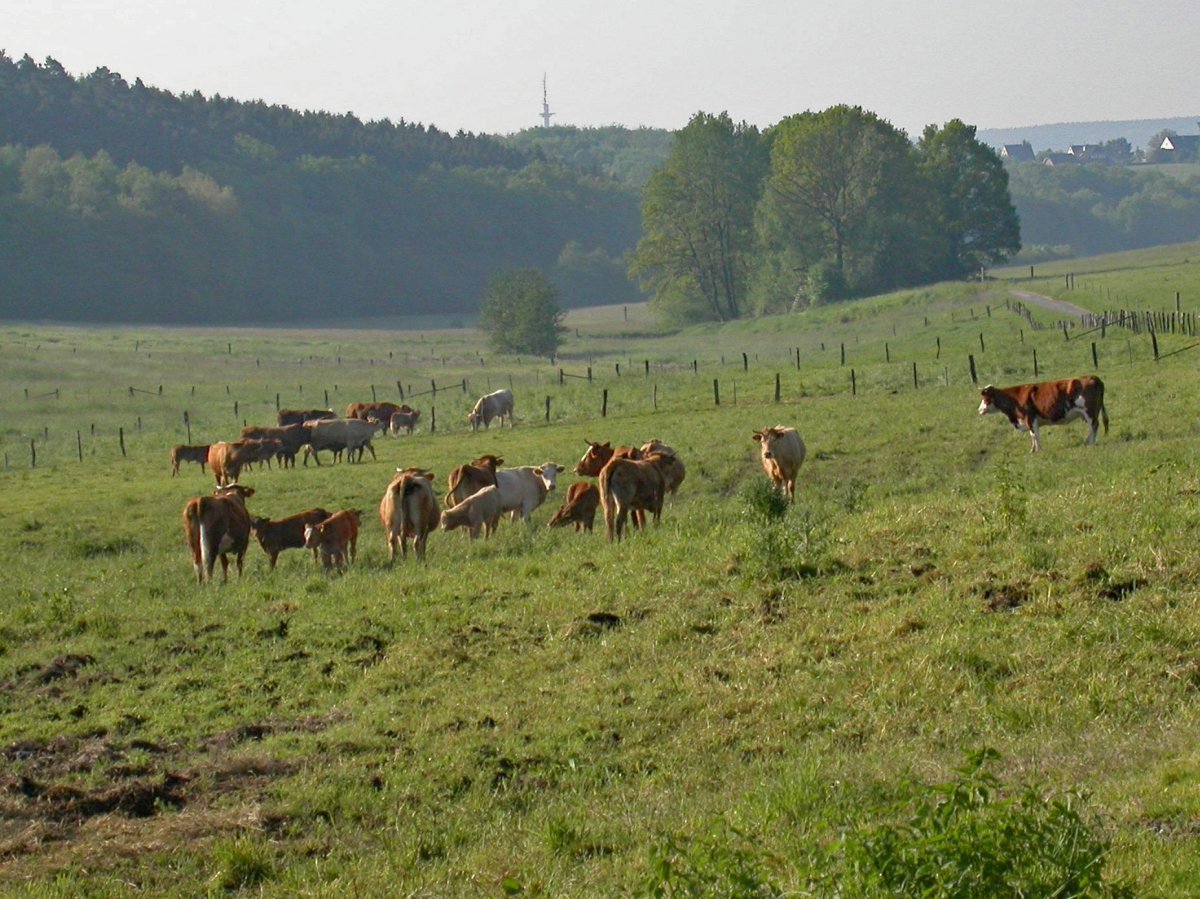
(520, 313)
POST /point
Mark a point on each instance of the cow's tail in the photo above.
(608, 502)
(205, 554)
(452, 484)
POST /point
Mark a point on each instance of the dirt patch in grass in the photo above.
(60, 667)
(1004, 597)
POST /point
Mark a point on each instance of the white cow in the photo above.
(783, 452)
(497, 404)
(523, 489)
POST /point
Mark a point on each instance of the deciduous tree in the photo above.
(521, 314)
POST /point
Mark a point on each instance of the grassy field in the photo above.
(732, 703)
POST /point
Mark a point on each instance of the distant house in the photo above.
(1022, 152)
(1179, 147)
(1053, 159)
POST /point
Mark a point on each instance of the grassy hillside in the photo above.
(723, 699)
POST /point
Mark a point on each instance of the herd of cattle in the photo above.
(630, 481)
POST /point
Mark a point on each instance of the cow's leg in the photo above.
(1033, 433)
(241, 557)
(224, 568)
(1093, 427)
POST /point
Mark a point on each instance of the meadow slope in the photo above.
(546, 713)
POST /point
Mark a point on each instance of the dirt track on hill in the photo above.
(1050, 303)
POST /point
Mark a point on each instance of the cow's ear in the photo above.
(560, 468)
(608, 444)
(431, 475)
(756, 436)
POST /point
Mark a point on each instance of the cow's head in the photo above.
(488, 461)
(988, 404)
(312, 535)
(594, 459)
(766, 440)
(549, 473)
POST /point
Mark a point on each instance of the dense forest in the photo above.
(122, 202)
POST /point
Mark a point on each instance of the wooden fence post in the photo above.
(604, 404)
(647, 363)
(843, 354)
(1035, 365)
(745, 362)
(915, 384)
(121, 439)
(547, 408)
(79, 445)
(716, 392)
(981, 347)
(32, 454)
(1154, 343)
(853, 384)
(432, 419)
(187, 424)
(971, 365)
(777, 387)
(1095, 360)
(887, 352)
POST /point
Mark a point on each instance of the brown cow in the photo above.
(182, 452)
(379, 411)
(579, 509)
(479, 510)
(471, 478)
(264, 451)
(336, 538)
(215, 526)
(226, 459)
(782, 451)
(286, 533)
(409, 509)
(292, 439)
(630, 484)
(674, 472)
(287, 417)
(600, 454)
(1050, 403)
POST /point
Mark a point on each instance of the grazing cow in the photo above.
(403, 421)
(340, 434)
(292, 439)
(287, 417)
(498, 404)
(579, 509)
(336, 538)
(627, 485)
(675, 471)
(409, 510)
(471, 478)
(524, 489)
(479, 510)
(783, 453)
(216, 526)
(227, 459)
(182, 452)
(286, 533)
(1049, 403)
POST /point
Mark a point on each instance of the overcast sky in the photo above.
(477, 66)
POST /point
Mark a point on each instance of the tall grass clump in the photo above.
(781, 542)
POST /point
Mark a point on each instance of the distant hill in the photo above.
(1058, 137)
(628, 155)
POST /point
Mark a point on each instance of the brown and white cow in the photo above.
(215, 527)
(471, 478)
(403, 421)
(286, 533)
(580, 508)
(336, 538)
(1028, 406)
(381, 411)
(497, 404)
(480, 510)
(287, 417)
(409, 511)
(227, 459)
(782, 451)
(628, 485)
(182, 452)
(523, 489)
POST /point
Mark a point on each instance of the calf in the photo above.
(580, 508)
(479, 510)
(409, 510)
(600, 454)
(674, 472)
(292, 439)
(403, 421)
(782, 454)
(286, 533)
(495, 405)
(467, 479)
(216, 526)
(1051, 402)
(336, 538)
(182, 452)
(627, 485)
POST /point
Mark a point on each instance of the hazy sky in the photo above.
(477, 66)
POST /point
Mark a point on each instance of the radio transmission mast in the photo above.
(546, 113)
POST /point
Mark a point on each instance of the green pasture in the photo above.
(730, 703)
